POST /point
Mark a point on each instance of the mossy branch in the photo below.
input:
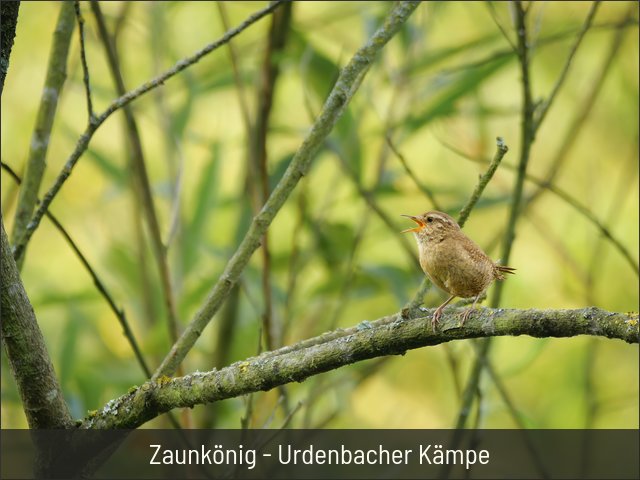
(42, 398)
(390, 335)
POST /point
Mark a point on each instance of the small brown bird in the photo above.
(453, 261)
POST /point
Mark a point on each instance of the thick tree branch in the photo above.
(8, 23)
(31, 366)
(390, 335)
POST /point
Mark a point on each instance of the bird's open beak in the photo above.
(415, 229)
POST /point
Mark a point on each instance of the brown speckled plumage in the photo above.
(452, 260)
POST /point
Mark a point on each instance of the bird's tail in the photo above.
(501, 270)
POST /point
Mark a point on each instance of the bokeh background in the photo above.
(441, 91)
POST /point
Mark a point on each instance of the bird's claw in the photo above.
(465, 315)
(436, 319)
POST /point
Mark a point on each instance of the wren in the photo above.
(453, 261)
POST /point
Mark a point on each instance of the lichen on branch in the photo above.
(390, 335)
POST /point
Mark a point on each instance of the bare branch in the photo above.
(423, 188)
(85, 67)
(527, 136)
(501, 151)
(494, 16)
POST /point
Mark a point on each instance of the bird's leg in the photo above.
(468, 311)
(438, 313)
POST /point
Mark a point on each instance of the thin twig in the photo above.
(516, 415)
(494, 16)
(622, 189)
(364, 222)
(544, 108)
(501, 150)
(589, 215)
(121, 18)
(102, 289)
(237, 78)
(85, 67)
(258, 155)
(557, 244)
(173, 153)
(85, 138)
(498, 54)
(369, 198)
(294, 259)
(585, 106)
(423, 188)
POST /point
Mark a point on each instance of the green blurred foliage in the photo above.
(448, 79)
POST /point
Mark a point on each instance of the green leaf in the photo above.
(107, 166)
(334, 240)
(278, 170)
(184, 112)
(433, 57)
(391, 278)
(69, 340)
(205, 201)
(318, 71)
(444, 101)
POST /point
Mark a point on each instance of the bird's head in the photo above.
(431, 225)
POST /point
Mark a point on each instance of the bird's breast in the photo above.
(454, 270)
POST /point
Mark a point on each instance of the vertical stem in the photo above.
(36, 160)
(280, 21)
(527, 127)
(527, 133)
(83, 60)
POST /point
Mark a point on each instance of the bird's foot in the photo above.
(436, 317)
(465, 315)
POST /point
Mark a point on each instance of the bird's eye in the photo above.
(429, 219)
